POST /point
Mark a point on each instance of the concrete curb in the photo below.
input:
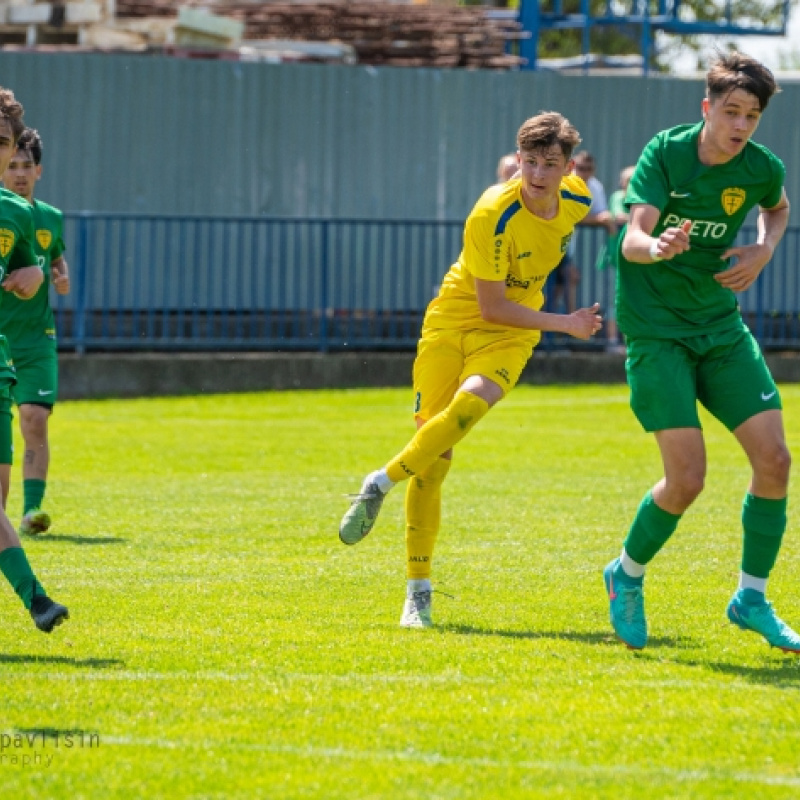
(121, 375)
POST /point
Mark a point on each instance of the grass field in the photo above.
(224, 644)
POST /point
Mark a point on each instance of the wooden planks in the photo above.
(380, 33)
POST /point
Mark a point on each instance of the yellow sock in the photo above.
(423, 515)
(437, 436)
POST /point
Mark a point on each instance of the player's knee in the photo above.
(468, 409)
(775, 463)
(688, 486)
(33, 421)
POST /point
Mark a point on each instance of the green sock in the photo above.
(651, 528)
(14, 565)
(764, 522)
(33, 491)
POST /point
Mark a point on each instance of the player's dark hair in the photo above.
(735, 70)
(31, 143)
(546, 129)
(11, 111)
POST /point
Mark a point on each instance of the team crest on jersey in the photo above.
(44, 237)
(733, 200)
(6, 241)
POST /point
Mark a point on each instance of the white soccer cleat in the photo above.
(417, 610)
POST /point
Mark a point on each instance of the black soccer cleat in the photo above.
(46, 613)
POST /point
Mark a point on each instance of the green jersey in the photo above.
(679, 297)
(29, 324)
(16, 250)
(16, 237)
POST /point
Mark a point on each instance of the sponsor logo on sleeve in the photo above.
(498, 255)
(7, 240)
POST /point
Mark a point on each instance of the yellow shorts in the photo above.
(446, 358)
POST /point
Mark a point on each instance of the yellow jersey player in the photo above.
(479, 333)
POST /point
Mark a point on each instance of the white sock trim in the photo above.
(630, 567)
(751, 582)
(382, 479)
(417, 585)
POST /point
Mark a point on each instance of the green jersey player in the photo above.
(678, 276)
(20, 275)
(29, 327)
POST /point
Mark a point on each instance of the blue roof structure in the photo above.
(663, 15)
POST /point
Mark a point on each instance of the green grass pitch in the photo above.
(224, 644)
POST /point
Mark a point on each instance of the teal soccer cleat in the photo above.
(626, 598)
(750, 611)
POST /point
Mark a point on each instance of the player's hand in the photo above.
(60, 276)
(673, 241)
(585, 322)
(24, 282)
(750, 260)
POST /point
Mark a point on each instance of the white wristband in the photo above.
(654, 251)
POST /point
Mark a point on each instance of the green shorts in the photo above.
(37, 377)
(6, 436)
(726, 372)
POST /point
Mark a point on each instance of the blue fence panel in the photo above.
(255, 283)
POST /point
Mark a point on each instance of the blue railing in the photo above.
(255, 283)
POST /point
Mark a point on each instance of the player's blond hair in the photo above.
(735, 70)
(11, 111)
(546, 129)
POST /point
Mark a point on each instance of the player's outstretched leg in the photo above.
(626, 598)
(751, 611)
(418, 610)
(15, 567)
(35, 521)
(360, 518)
(46, 613)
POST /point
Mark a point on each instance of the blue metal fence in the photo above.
(254, 283)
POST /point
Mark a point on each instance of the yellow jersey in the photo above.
(504, 241)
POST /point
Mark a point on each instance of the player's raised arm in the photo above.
(496, 308)
(641, 247)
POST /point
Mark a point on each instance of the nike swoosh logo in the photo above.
(766, 397)
(677, 194)
(43, 393)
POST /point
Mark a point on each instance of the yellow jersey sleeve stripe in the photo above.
(505, 217)
(578, 198)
